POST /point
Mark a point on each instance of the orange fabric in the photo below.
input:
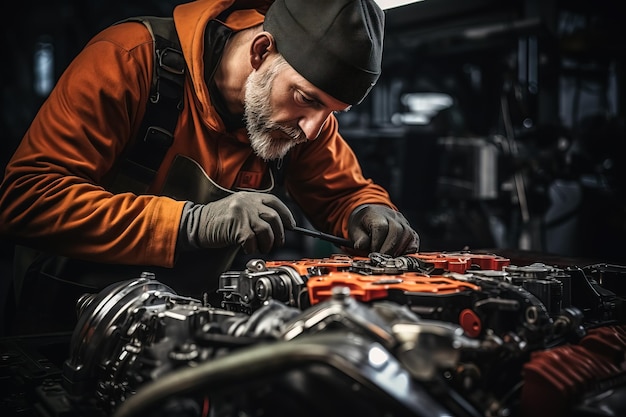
(51, 197)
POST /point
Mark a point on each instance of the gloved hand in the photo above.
(255, 221)
(378, 228)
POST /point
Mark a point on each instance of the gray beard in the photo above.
(257, 113)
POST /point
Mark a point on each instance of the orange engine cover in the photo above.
(369, 283)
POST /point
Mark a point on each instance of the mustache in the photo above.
(292, 131)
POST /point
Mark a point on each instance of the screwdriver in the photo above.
(324, 236)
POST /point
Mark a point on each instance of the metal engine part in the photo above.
(143, 349)
(441, 334)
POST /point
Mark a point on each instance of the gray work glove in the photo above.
(254, 221)
(378, 228)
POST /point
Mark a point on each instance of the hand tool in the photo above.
(324, 236)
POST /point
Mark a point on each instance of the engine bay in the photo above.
(428, 334)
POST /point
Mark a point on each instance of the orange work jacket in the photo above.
(53, 196)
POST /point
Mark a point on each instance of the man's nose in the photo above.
(312, 124)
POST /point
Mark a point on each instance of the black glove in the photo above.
(377, 228)
(255, 221)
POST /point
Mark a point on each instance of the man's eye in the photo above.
(304, 99)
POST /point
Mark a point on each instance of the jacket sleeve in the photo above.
(325, 179)
(51, 197)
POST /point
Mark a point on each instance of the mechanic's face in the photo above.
(282, 109)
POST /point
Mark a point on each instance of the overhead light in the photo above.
(422, 107)
(390, 4)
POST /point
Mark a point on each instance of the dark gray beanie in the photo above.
(336, 45)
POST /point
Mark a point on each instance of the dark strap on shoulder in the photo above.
(156, 134)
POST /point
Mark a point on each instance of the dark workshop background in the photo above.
(496, 124)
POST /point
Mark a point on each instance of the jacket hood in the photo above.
(191, 20)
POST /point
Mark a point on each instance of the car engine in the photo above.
(429, 334)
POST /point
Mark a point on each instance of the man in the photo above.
(257, 89)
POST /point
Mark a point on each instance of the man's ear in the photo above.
(262, 45)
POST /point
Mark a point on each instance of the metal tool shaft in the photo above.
(324, 236)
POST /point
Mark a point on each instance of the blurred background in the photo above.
(497, 124)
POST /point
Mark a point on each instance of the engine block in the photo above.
(429, 334)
